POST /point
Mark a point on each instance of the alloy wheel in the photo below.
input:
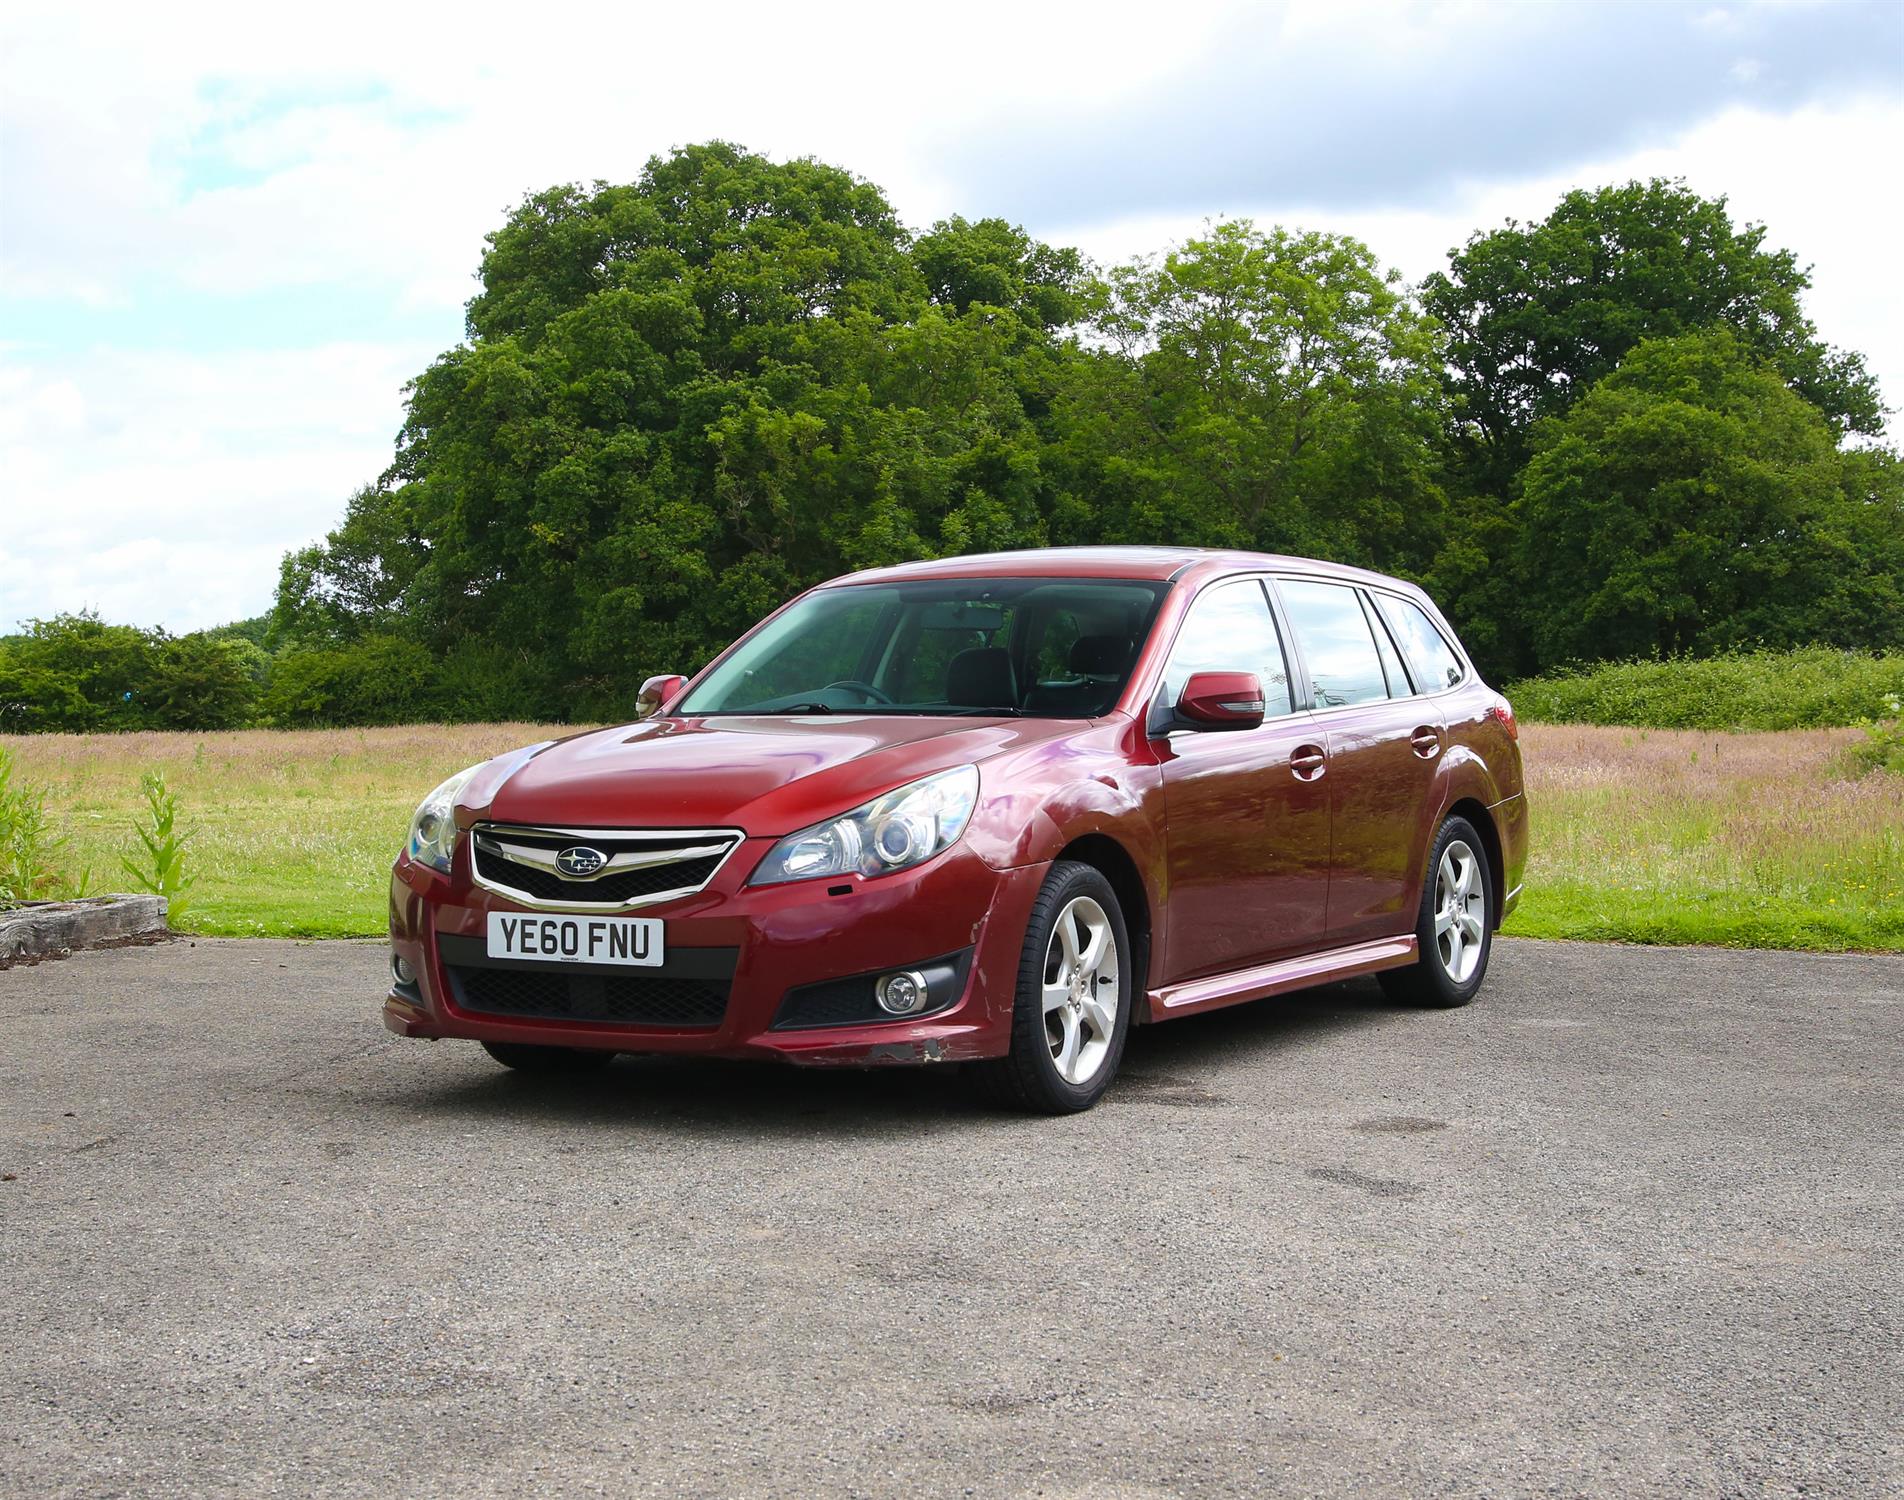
(1460, 911)
(1081, 994)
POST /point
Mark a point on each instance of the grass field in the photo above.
(1668, 836)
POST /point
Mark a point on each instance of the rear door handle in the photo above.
(1308, 762)
(1426, 742)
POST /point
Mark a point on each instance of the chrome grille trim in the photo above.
(686, 845)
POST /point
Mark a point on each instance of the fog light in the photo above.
(901, 994)
(401, 971)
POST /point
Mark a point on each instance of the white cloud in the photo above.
(386, 141)
(162, 488)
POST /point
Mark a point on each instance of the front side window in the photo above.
(1337, 646)
(1431, 660)
(1230, 629)
(1039, 647)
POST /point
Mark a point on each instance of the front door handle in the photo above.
(1308, 762)
(1426, 742)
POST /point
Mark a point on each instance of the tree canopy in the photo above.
(1259, 389)
(683, 399)
(1536, 313)
(1692, 502)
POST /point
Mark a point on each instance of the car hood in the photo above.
(767, 775)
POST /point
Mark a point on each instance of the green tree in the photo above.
(995, 264)
(357, 581)
(1693, 502)
(1537, 313)
(683, 399)
(1258, 388)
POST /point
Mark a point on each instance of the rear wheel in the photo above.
(1455, 926)
(527, 1058)
(1072, 1009)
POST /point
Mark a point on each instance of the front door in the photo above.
(1246, 811)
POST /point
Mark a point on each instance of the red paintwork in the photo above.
(1269, 857)
(1227, 700)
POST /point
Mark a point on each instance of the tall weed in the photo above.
(162, 871)
(28, 846)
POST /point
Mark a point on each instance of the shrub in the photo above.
(1882, 748)
(378, 680)
(486, 682)
(202, 682)
(75, 673)
(1813, 687)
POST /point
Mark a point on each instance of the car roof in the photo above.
(1160, 563)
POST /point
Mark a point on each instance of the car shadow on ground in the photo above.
(1177, 1064)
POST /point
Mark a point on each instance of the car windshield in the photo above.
(1038, 647)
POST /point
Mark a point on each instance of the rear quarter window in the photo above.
(1432, 662)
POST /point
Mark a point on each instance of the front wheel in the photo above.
(524, 1057)
(1455, 928)
(1072, 1008)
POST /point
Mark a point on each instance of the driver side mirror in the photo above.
(656, 691)
(1221, 700)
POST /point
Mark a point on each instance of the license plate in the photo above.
(576, 940)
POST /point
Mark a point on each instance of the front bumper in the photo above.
(776, 938)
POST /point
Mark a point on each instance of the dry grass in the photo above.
(1695, 836)
(292, 832)
(1651, 836)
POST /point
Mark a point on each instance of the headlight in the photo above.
(433, 829)
(889, 833)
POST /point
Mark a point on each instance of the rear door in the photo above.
(1247, 811)
(1382, 753)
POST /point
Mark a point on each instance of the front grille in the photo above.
(625, 1000)
(640, 866)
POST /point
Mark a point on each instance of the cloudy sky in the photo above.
(227, 237)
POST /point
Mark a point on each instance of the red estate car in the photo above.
(992, 810)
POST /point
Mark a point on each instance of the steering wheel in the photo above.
(865, 689)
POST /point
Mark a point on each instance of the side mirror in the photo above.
(655, 692)
(1221, 700)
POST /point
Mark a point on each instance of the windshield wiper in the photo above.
(796, 708)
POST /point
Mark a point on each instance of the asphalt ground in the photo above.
(1629, 1224)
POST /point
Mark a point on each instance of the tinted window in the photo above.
(1336, 643)
(1049, 647)
(1431, 660)
(1230, 629)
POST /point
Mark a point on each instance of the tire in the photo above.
(1065, 1044)
(1453, 958)
(525, 1057)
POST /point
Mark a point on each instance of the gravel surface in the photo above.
(1627, 1225)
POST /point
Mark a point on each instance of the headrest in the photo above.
(982, 678)
(1100, 655)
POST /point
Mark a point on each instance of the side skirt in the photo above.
(1284, 975)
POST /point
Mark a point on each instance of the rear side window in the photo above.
(1230, 629)
(1336, 643)
(1431, 660)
